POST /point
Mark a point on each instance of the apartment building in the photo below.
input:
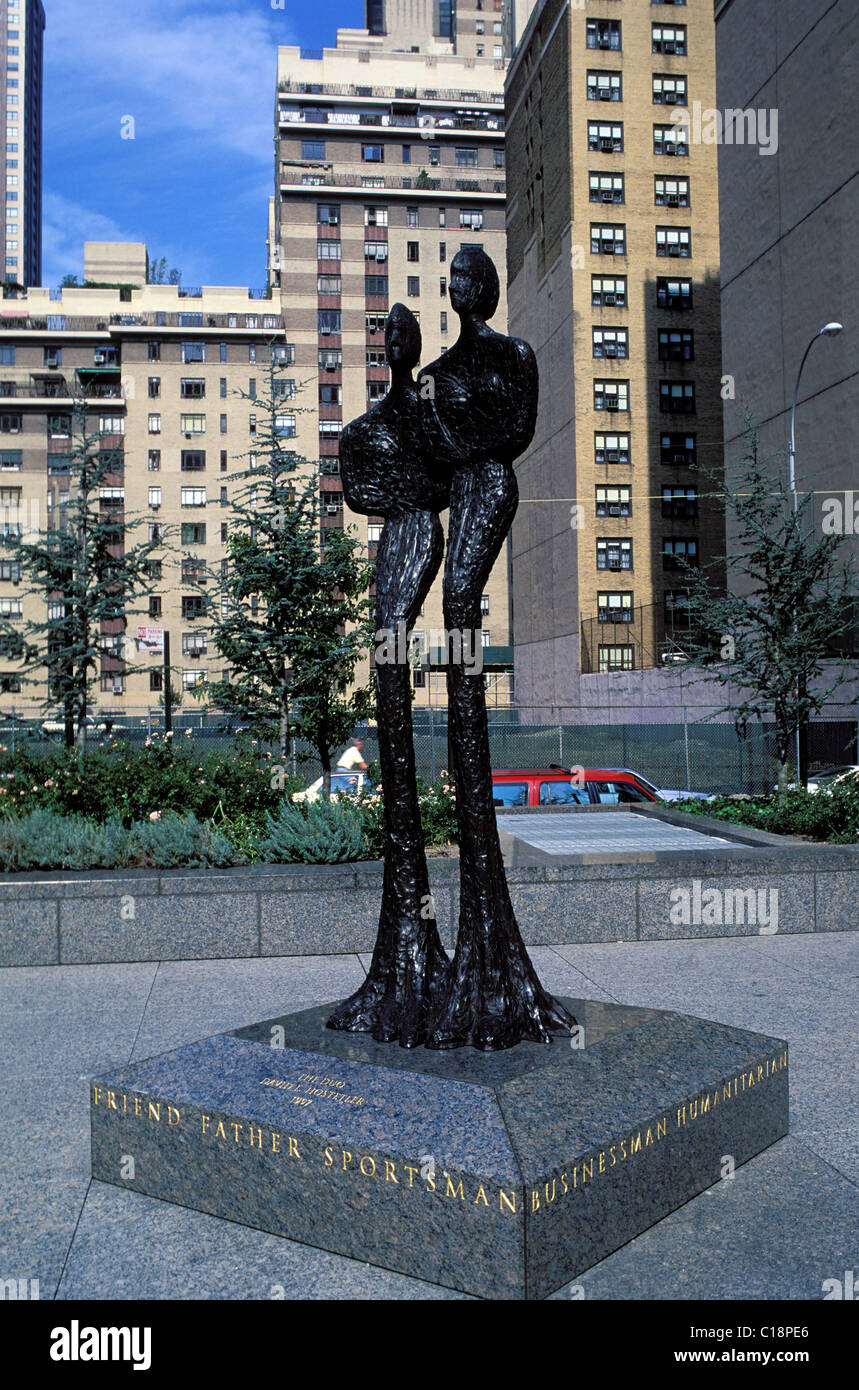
(161, 368)
(387, 163)
(22, 25)
(613, 264)
(471, 28)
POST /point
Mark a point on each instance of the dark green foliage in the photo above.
(831, 816)
(45, 840)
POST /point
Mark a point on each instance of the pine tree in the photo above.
(291, 614)
(82, 568)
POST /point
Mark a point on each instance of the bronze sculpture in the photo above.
(451, 440)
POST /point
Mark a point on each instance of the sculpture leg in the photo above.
(409, 965)
(494, 998)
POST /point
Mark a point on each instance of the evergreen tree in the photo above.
(82, 568)
(291, 614)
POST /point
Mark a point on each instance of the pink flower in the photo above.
(148, 743)
(154, 815)
(50, 782)
(169, 733)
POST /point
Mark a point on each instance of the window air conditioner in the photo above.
(613, 456)
(607, 196)
(612, 405)
(332, 511)
(614, 564)
(605, 96)
(610, 350)
(608, 299)
(672, 199)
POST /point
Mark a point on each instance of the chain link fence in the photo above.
(695, 755)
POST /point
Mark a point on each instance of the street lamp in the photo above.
(829, 330)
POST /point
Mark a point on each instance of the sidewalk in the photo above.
(788, 1220)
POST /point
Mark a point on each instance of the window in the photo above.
(413, 286)
(678, 448)
(680, 503)
(497, 51)
(284, 425)
(471, 217)
(154, 461)
(192, 605)
(329, 359)
(443, 323)
(7, 355)
(608, 239)
(676, 606)
(413, 251)
(374, 534)
(498, 159)
(222, 388)
(676, 346)
(614, 555)
(610, 448)
(614, 607)
(192, 388)
(156, 680)
(328, 321)
(331, 428)
(376, 390)
(330, 395)
(678, 553)
(670, 139)
(374, 323)
(611, 395)
(193, 496)
(284, 390)
(668, 91)
(614, 501)
(673, 294)
(442, 285)
(153, 569)
(222, 423)
(442, 217)
(328, 250)
(376, 284)
(607, 188)
(155, 532)
(466, 157)
(193, 352)
(433, 155)
(479, 26)
(155, 497)
(11, 460)
(607, 291)
(328, 284)
(375, 250)
(413, 218)
(605, 86)
(52, 356)
(154, 424)
(671, 193)
(193, 460)
(614, 659)
(194, 644)
(313, 149)
(12, 608)
(328, 214)
(677, 397)
(193, 533)
(673, 241)
(252, 352)
(155, 605)
(610, 342)
(669, 38)
(603, 33)
(374, 358)
(222, 352)
(192, 424)
(224, 461)
(407, 154)
(373, 154)
(480, 50)
(607, 138)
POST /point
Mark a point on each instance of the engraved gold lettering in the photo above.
(293, 1148)
(171, 1111)
(481, 1196)
(411, 1172)
(252, 1130)
(390, 1171)
(505, 1201)
(372, 1161)
(329, 1158)
(154, 1110)
(451, 1191)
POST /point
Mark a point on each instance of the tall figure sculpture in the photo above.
(484, 406)
(382, 464)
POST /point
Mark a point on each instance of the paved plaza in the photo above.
(786, 1222)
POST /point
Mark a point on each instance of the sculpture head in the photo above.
(402, 338)
(474, 287)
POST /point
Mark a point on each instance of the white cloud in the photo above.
(179, 67)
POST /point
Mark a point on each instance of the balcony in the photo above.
(292, 175)
(454, 96)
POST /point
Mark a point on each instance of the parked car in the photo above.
(342, 784)
(589, 786)
(56, 725)
(827, 778)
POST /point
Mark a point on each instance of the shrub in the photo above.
(325, 832)
(831, 816)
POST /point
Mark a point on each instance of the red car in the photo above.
(581, 786)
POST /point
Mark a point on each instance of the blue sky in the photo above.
(198, 78)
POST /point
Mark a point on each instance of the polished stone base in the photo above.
(504, 1175)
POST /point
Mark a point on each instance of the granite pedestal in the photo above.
(501, 1174)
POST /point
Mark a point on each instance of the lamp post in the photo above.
(829, 330)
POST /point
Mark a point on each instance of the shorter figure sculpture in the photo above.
(383, 471)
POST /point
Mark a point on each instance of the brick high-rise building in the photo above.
(387, 163)
(160, 368)
(613, 262)
(22, 24)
